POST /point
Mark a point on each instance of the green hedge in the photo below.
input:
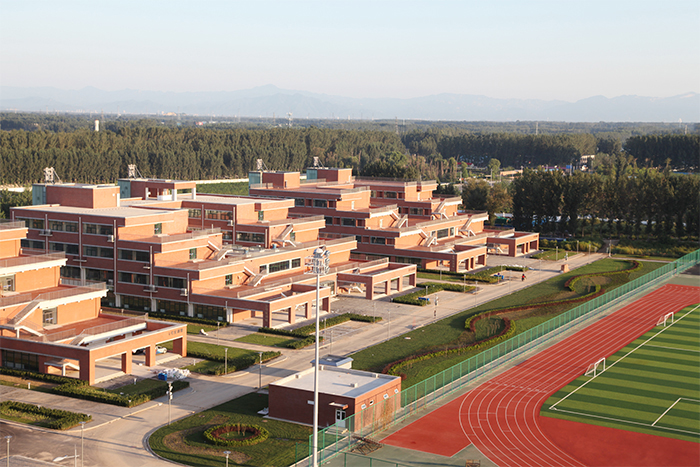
(304, 331)
(100, 395)
(260, 435)
(62, 419)
(42, 377)
(233, 364)
(509, 330)
(413, 297)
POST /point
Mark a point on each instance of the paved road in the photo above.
(116, 436)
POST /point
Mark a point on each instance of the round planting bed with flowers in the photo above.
(236, 435)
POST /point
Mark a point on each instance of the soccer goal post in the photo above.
(665, 319)
(596, 367)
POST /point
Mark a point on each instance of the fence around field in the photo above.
(342, 436)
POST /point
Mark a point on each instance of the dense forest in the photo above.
(164, 149)
(628, 200)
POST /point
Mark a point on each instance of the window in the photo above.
(378, 240)
(390, 194)
(415, 211)
(227, 236)
(452, 231)
(158, 228)
(100, 275)
(261, 216)
(299, 202)
(134, 255)
(171, 308)
(193, 253)
(7, 283)
(20, 360)
(218, 215)
(442, 233)
(32, 223)
(60, 226)
(68, 248)
(348, 222)
(49, 316)
(133, 278)
(33, 244)
(263, 269)
(358, 238)
(329, 220)
(293, 236)
(136, 303)
(250, 237)
(70, 272)
(209, 312)
(296, 262)
(228, 279)
(320, 203)
(194, 213)
(170, 282)
(279, 266)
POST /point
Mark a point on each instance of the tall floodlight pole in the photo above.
(319, 266)
(8, 437)
(82, 445)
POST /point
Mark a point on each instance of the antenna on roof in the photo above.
(316, 162)
(260, 165)
(133, 171)
(50, 175)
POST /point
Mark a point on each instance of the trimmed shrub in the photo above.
(257, 435)
(413, 297)
(61, 419)
(186, 319)
(100, 395)
(42, 377)
(305, 331)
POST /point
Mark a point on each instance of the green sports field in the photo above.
(650, 386)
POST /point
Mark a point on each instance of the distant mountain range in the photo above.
(266, 101)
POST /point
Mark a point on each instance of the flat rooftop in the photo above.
(337, 381)
(122, 212)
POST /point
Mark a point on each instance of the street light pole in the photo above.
(82, 445)
(226, 361)
(8, 437)
(260, 380)
(319, 261)
(227, 454)
(170, 398)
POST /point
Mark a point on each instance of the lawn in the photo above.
(183, 441)
(650, 386)
(267, 339)
(449, 330)
(213, 357)
(553, 255)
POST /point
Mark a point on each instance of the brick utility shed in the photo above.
(343, 392)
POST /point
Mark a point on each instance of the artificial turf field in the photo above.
(650, 386)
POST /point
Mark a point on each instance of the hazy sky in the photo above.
(562, 49)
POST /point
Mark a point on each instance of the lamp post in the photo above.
(170, 398)
(226, 361)
(260, 379)
(82, 446)
(227, 454)
(62, 458)
(319, 266)
(7, 438)
(217, 333)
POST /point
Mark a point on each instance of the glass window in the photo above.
(442, 233)
(218, 215)
(49, 316)
(33, 244)
(70, 272)
(194, 213)
(250, 237)
(209, 312)
(34, 223)
(227, 236)
(172, 308)
(329, 220)
(157, 228)
(170, 282)
(130, 277)
(193, 253)
(378, 240)
(99, 275)
(390, 194)
(320, 203)
(296, 262)
(261, 216)
(348, 222)
(299, 202)
(228, 280)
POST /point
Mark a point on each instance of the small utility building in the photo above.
(342, 392)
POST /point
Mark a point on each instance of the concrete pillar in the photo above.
(151, 355)
(399, 284)
(307, 310)
(190, 310)
(41, 360)
(117, 299)
(180, 346)
(387, 287)
(87, 368)
(154, 305)
(126, 363)
(369, 290)
(326, 302)
(291, 315)
(266, 318)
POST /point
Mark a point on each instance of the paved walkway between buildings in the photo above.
(115, 437)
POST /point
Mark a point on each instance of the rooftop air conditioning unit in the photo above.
(110, 238)
(45, 233)
(183, 292)
(151, 288)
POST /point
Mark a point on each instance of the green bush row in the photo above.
(237, 363)
(100, 395)
(261, 434)
(61, 419)
(635, 266)
(394, 368)
(42, 377)
(304, 331)
(413, 297)
(570, 245)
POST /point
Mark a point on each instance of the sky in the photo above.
(564, 49)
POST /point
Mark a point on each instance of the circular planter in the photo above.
(253, 434)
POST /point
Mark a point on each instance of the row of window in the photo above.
(20, 360)
(66, 226)
(250, 237)
(215, 214)
(345, 221)
(414, 211)
(98, 275)
(280, 266)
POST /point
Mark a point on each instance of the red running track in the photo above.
(501, 416)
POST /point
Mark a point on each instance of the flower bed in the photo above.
(255, 435)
